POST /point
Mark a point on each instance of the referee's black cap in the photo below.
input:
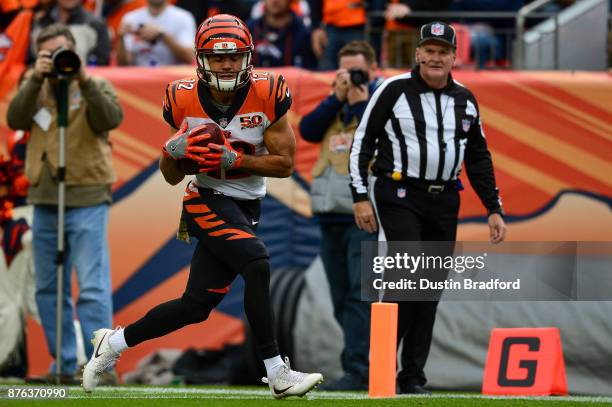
(438, 31)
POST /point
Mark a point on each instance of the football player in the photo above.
(221, 206)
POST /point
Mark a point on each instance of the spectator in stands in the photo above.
(335, 23)
(401, 29)
(93, 42)
(159, 34)
(299, 7)
(281, 38)
(400, 10)
(332, 124)
(113, 12)
(14, 42)
(488, 37)
(10, 8)
(43, 8)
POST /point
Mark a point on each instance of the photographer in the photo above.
(333, 124)
(93, 111)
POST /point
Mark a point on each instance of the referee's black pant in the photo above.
(412, 211)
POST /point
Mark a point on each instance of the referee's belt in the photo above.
(433, 187)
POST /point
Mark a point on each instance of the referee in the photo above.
(418, 128)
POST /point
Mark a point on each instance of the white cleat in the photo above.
(287, 382)
(102, 359)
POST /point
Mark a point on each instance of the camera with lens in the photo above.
(358, 77)
(66, 62)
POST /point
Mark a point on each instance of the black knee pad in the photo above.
(198, 309)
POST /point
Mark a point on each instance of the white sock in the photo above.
(272, 365)
(117, 341)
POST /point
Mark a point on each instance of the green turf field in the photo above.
(256, 397)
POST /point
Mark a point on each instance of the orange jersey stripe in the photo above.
(204, 223)
(236, 234)
(223, 290)
(200, 208)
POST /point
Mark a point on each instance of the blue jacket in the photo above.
(314, 125)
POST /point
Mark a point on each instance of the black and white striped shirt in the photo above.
(414, 131)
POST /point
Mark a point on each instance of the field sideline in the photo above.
(244, 397)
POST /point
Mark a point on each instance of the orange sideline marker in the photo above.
(525, 361)
(383, 352)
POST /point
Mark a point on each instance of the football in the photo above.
(190, 167)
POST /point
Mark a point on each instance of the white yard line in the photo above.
(122, 392)
(164, 392)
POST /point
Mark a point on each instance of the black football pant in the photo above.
(408, 212)
(227, 246)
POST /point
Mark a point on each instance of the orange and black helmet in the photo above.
(221, 35)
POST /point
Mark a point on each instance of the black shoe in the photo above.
(413, 389)
(347, 382)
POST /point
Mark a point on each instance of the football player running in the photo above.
(221, 206)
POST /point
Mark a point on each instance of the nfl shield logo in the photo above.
(466, 123)
(401, 192)
(437, 29)
(223, 122)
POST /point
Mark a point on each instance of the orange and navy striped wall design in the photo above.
(550, 134)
